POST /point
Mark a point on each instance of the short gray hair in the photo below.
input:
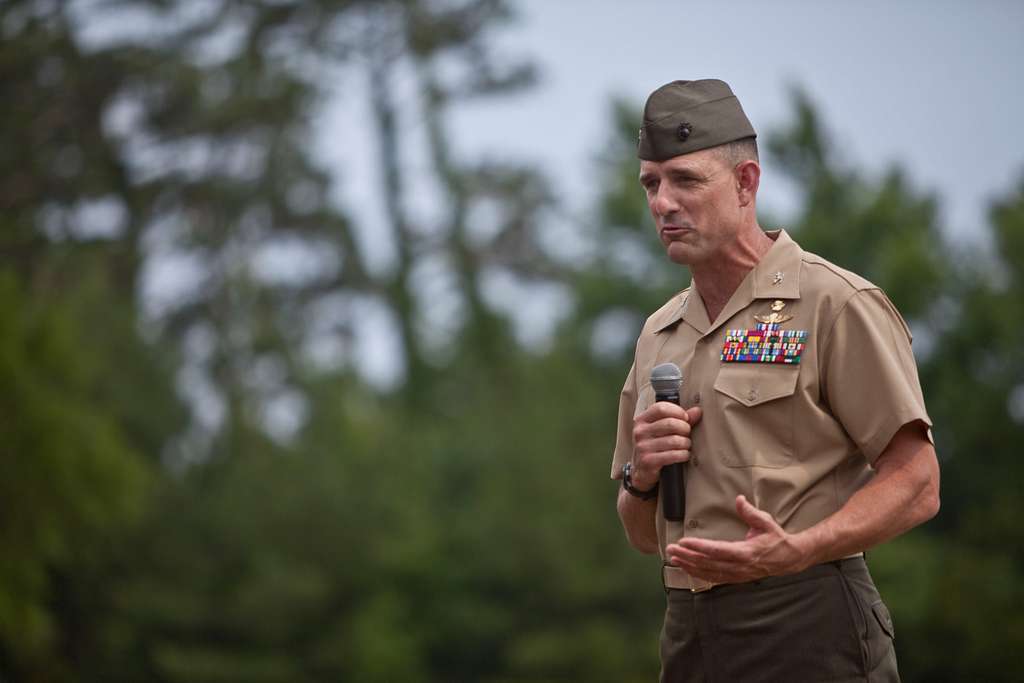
(738, 151)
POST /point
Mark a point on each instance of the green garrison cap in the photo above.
(685, 116)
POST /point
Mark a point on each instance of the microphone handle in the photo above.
(673, 488)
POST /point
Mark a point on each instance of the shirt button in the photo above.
(752, 394)
(693, 524)
(696, 398)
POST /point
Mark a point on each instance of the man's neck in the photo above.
(717, 279)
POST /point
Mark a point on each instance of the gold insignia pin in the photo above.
(776, 316)
(777, 279)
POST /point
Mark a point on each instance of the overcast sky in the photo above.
(934, 85)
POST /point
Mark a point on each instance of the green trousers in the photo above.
(826, 623)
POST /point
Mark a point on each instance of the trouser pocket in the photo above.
(876, 626)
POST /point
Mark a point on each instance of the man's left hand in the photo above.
(766, 551)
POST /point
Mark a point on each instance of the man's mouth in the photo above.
(670, 230)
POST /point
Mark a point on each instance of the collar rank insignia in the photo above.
(766, 343)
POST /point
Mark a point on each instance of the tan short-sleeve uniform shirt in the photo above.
(797, 439)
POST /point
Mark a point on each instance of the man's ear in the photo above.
(748, 177)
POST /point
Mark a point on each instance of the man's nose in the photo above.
(663, 203)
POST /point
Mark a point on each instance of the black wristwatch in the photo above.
(627, 484)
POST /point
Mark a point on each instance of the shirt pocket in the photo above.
(756, 407)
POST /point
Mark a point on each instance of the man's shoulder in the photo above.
(821, 275)
(834, 288)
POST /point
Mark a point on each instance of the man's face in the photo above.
(693, 200)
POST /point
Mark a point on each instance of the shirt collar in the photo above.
(776, 276)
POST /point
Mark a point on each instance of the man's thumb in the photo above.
(693, 415)
(758, 519)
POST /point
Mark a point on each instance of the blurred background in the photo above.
(314, 315)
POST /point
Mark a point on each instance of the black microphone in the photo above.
(666, 380)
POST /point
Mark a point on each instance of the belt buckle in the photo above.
(706, 586)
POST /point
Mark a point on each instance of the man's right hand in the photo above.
(661, 436)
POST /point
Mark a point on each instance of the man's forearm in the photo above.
(903, 494)
(638, 520)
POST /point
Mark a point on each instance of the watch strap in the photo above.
(627, 483)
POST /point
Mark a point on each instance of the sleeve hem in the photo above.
(873, 448)
(616, 472)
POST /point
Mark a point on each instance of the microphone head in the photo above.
(666, 378)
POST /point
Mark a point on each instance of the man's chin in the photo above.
(681, 254)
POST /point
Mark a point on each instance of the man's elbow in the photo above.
(929, 501)
(911, 452)
(644, 545)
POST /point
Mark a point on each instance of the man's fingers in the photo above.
(729, 561)
(726, 551)
(678, 551)
(655, 461)
(667, 443)
(704, 567)
(757, 519)
(661, 435)
(663, 409)
(689, 560)
(654, 453)
(665, 427)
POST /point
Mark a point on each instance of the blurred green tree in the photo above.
(458, 525)
(88, 407)
(178, 140)
(956, 579)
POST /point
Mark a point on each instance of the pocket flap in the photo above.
(884, 618)
(754, 383)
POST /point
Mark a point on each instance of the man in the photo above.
(803, 429)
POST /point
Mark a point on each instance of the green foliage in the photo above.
(958, 579)
(72, 471)
(881, 229)
(460, 526)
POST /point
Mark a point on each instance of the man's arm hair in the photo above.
(903, 494)
(638, 521)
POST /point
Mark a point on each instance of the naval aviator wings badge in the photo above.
(766, 343)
